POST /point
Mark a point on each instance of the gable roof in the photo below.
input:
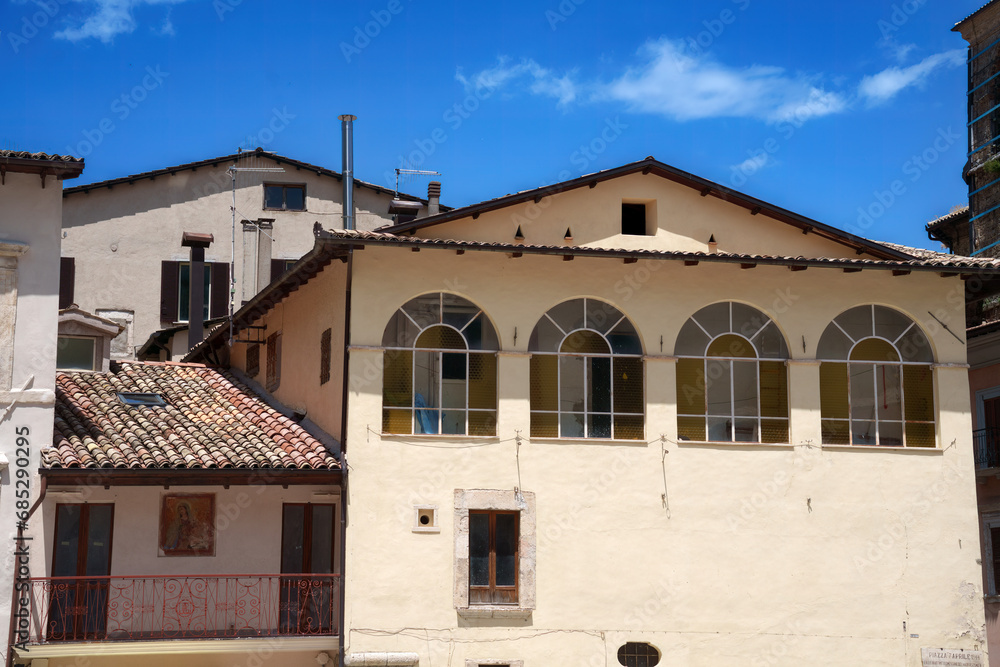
(652, 166)
(956, 27)
(215, 161)
(212, 426)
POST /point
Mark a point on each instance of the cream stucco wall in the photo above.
(119, 235)
(684, 221)
(29, 215)
(716, 554)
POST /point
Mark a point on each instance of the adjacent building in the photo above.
(31, 202)
(636, 418)
(122, 258)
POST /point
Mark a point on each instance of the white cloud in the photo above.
(684, 87)
(539, 80)
(672, 83)
(110, 18)
(755, 163)
(880, 88)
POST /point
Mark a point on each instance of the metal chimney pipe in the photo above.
(347, 158)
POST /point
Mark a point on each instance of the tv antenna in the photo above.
(412, 172)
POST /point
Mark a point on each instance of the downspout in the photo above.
(347, 142)
(13, 593)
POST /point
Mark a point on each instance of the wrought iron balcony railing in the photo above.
(987, 444)
(120, 608)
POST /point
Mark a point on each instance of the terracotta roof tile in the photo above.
(211, 421)
(45, 157)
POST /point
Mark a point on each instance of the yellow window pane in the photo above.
(441, 337)
(628, 385)
(691, 428)
(836, 432)
(396, 421)
(585, 342)
(920, 435)
(482, 423)
(731, 345)
(397, 378)
(544, 425)
(874, 349)
(774, 430)
(918, 393)
(544, 381)
(482, 381)
(690, 387)
(773, 390)
(833, 391)
(628, 427)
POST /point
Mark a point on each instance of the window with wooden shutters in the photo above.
(175, 294)
(67, 281)
(732, 384)
(876, 381)
(273, 361)
(324, 356)
(440, 368)
(586, 377)
(253, 360)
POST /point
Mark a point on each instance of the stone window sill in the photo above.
(495, 611)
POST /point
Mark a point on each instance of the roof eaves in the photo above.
(956, 27)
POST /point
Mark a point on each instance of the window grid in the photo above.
(475, 421)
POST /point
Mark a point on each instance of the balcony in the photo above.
(987, 446)
(122, 609)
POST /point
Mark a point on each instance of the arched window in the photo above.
(586, 373)
(440, 371)
(876, 384)
(732, 384)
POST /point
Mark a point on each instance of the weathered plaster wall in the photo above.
(716, 554)
(119, 236)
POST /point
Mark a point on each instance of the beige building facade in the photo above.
(122, 257)
(637, 418)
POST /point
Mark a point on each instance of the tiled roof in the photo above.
(973, 14)
(949, 217)
(45, 157)
(918, 259)
(211, 421)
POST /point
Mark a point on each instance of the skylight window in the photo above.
(140, 399)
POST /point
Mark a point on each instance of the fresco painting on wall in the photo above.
(187, 524)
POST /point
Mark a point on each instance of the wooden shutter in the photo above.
(67, 281)
(324, 356)
(169, 283)
(277, 268)
(219, 289)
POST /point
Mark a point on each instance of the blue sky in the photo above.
(852, 113)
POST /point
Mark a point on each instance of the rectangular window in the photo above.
(279, 197)
(324, 356)
(273, 361)
(253, 360)
(493, 557)
(175, 294)
(67, 281)
(634, 219)
(991, 555)
(75, 353)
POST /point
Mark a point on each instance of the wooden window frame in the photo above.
(284, 207)
(492, 590)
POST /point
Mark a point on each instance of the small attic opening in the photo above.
(638, 218)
